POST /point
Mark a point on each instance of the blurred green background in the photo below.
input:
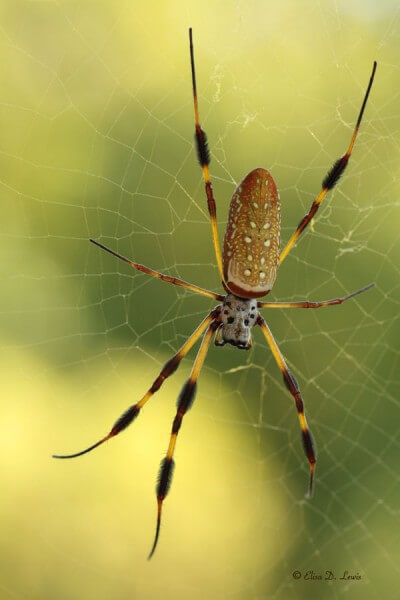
(97, 141)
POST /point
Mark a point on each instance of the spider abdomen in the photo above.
(252, 237)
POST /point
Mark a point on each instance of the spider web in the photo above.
(97, 122)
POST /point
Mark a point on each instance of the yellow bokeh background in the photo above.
(97, 141)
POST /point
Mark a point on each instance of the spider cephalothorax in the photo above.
(238, 316)
(248, 270)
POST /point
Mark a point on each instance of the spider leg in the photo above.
(185, 401)
(169, 368)
(148, 271)
(203, 155)
(293, 388)
(306, 304)
(331, 178)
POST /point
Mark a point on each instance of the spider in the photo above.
(248, 268)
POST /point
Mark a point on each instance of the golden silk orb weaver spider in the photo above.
(248, 268)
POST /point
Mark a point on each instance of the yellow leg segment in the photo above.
(185, 401)
(332, 177)
(293, 388)
(169, 368)
(204, 160)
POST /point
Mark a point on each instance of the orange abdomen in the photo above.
(252, 237)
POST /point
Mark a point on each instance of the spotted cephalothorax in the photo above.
(238, 316)
(248, 270)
